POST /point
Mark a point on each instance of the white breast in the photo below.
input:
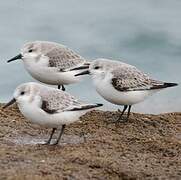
(49, 75)
(36, 115)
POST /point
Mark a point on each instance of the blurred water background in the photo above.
(144, 33)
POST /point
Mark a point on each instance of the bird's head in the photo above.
(33, 51)
(24, 93)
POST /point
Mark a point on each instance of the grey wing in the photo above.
(63, 58)
(131, 79)
(55, 101)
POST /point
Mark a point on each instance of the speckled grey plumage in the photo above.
(59, 100)
(54, 100)
(62, 57)
(127, 77)
(59, 55)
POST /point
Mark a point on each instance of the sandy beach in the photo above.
(145, 147)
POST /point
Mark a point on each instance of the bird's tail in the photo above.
(86, 107)
(169, 85)
(159, 85)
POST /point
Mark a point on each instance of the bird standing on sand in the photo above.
(122, 84)
(49, 62)
(49, 107)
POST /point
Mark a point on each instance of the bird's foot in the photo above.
(46, 143)
(54, 143)
(63, 88)
(121, 120)
(83, 135)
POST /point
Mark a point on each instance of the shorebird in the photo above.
(122, 84)
(49, 107)
(49, 62)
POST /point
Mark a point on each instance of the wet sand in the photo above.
(146, 147)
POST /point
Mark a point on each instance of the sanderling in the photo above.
(122, 84)
(49, 62)
(48, 106)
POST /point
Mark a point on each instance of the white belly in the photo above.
(51, 76)
(38, 116)
(108, 92)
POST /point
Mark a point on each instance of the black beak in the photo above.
(83, 73)
(9, 103)
(19, 56)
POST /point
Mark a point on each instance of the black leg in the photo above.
(84, 136)
(51, 135)
(63, 88)
(126, 119)
(60, 135)
(129, 109)
(124, 109)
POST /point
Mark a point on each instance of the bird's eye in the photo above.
(22, 93)
(97, 67)
(31, 50)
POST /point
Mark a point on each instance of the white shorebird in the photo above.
(122, 84)
(49, 107)
(49, 62)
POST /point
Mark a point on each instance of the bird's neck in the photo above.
(39, 61)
